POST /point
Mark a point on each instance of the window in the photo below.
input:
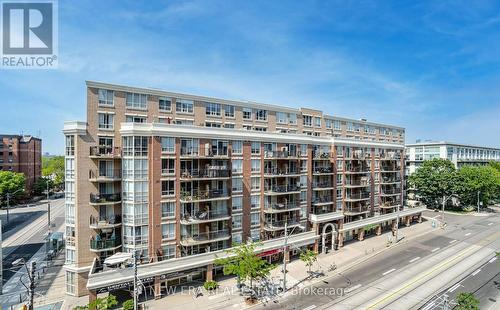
(255, 234)
(237, 185)
(167, 144)
(237, 147)
(184, 106)
(303, 149)
(317, 121)
(167, 188)
(136, 101)
(260, 129)
(237, 166)
(165, 104)
(307, 120)
(281, 118)
(350, 126)
(292, 118)
(237, 221)
(106, 121)
(255, 148)
(168, 209)
(229, 111)
(261, 115)
(185, 122)
(228, 125)
(69, 168)
(212, 124)
(237, 203)
(70, 256)
(135, 119)
(255, 165)
(168, 251)
(254, 218)
(303, 180)
(255, 201)
(167, 166)
(247, 113)
(336, 125)
(255, 183)
(237, 237)
(106, 97)
(328, 123)
(70, 282)
(70, 145)
(247, 127)
(168, 231)
(212, 109)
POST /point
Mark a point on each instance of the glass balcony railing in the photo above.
(104, 221)
(190, 239)
(357, 196)
(219, 172)
(280, 224)
(276, 171)
(282, 188)
(105, 198)
(322, 155)
(105, 151)
(108, 174)
(280, 154)
(203, 216)
(104, 244)
(322, 184)
(319, 170)
(322, 199)
(204, 195)
(281, 207)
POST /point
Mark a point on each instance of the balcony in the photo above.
(281, 154)
(323, 170)
(322, 185)
(281, 189)
(281, 207)
(322, 200)
(357, 169)
(279, 225)
(390, 192)
(100, 245)
(110, 175)
(204, 152)
(211, 173)
(390, 156)
(204, 217)
(389, 204)
(102, 199)
(207, 237)
(105, 222)
(387, 180)
(357, 183)
(318, 155)
(105, 152)
(356, 210)
(357, 196)
(356, 155)
(197, 195)
(390, 168)
(275, 172)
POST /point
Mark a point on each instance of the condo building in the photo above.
(179, 178)
(458, 154)
(22, 153)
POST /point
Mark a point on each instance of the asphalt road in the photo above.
(382, 281)
(26, 240)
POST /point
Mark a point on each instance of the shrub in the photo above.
(128, 304)
(210, 285)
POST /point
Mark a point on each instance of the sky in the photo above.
(432, 67)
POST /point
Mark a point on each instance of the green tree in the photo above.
(11, 182)
(495, 165)
(309, 258)
(40, 185)
(434, 179)
(467, 301)
(473, 179)
(105, 303)
(53, 166)
(128, 304)
(244, 263)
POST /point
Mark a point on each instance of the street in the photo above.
(406, 276)
(25, 240)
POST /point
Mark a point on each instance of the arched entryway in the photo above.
(324, 233)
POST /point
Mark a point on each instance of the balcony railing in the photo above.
(105, 221)
(357, 209)
(323, 170)
(390, 167)
(390, 180)
(281, 223)
(357, 196)
(357, 182)
(204, 195)
(105, 198)
(278, 207)
(104, 244)
(322, 185)
(357, 169)
(282, 188)
(111, 174)
(105, 151)
(322, 155)
(322, 199)
(390, 191)
(280, 154)
(276, 171)
(205, 236)
(203, 152)
(203, 216)
(221, 172)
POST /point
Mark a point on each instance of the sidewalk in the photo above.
(353, 253)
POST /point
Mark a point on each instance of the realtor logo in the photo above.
(29, 34)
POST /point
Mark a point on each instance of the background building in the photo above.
(22, 154)
(178, 177)
(458, 154)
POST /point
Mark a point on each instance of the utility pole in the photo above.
(446, 303)
(397, 226)
(285, 248)
(478, 204)
(442, 214)
(31, 292)
(135, 281)
(8, 206)
(48, 205)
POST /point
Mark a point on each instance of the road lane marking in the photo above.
(492, 260)
(353, 288)
(415, 259)
(310, 307)
(429, 306)
(388, 271)
(454, 287)
(476, 272)
(453, 241)
(467, 234)
(435, 250)
(490, 224)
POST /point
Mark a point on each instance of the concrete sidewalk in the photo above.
(227, 296)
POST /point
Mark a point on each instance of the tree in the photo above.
(53, 166)
(473, 179)
(309, 258)
(433, 180)
(128, 304)
(40, 185)
(11, 182)
(244, 263)
(467, 301)
(105, 303)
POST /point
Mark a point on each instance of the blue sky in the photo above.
(432, 67)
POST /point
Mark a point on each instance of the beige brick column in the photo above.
(210, 272)
(361, 234)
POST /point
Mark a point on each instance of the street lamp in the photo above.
(285, 246)
(8, 200)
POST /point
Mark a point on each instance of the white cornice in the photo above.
(75, 128)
